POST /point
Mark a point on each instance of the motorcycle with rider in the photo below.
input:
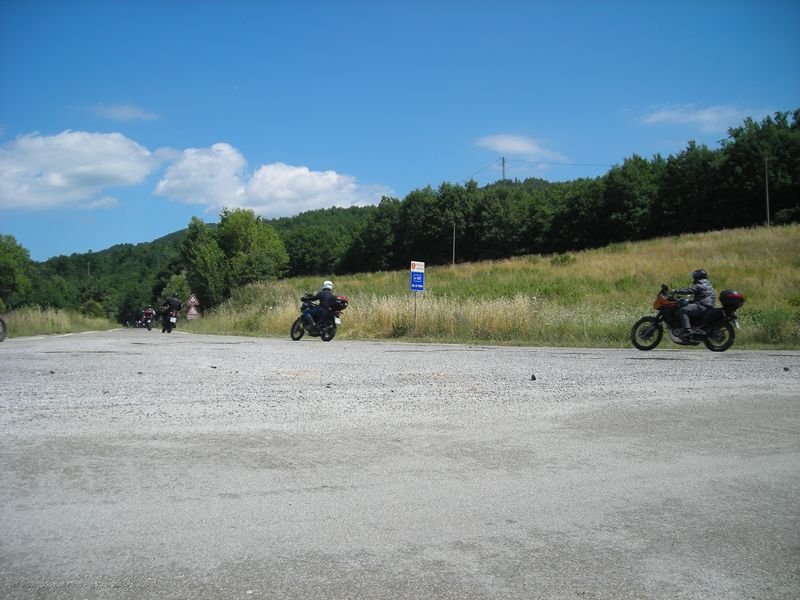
(320, 314)
(690, 323)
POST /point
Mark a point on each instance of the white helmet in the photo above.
(328, 285)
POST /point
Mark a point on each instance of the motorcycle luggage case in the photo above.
(731, 298)
(341, 302)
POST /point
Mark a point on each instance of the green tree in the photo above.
(688, 192)
(754, 154)
(178, 285)
(631, 191)
(205, 264)
(15, 269)
(497, 222)
(375, 246)
(242, 249)
(253, 249)
(579, 216)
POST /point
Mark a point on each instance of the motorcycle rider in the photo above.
(148, 313)
(702, 299)
(171, 303)
(327, 300)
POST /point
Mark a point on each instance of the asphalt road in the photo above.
(147, 465)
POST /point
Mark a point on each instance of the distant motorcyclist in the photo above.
(170, 304)
(149, 313)
(702, 299)
(327, 300)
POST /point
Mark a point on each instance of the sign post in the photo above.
(417, 283)
(192, 312)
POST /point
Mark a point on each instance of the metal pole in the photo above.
(766, 184)
(454, 243)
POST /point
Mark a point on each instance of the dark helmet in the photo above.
(699, 274)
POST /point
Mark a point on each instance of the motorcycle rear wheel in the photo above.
(720, 338)
(646, 333)
(297, 330)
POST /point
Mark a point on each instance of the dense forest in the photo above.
(753, 178)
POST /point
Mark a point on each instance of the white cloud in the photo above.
(281, 189)
(104, 202)
(215, 177)
(207, 176)
(124, 112)
(713, 119)
(71, 168)
(76, 169)
(517, 145)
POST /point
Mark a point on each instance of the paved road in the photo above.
(145, 465)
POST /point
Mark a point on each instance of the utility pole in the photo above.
(504, 167)
(766, 184)
(454, 242)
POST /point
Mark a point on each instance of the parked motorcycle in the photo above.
(170, 321)
(714, 328)
(325, 328)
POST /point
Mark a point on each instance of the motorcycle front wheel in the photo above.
(720, 338)
(297, 330)
(646, 333)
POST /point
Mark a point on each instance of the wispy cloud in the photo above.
(215, 177)
(520, 146)
(104, 202)
(712, 119)
(72, 168)
(124, 112)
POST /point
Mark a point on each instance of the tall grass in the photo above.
(37, 321)
(588, 298)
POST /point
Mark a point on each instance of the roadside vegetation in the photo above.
(585, 299)
(41, 321)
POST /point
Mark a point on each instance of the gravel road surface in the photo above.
(137, 464)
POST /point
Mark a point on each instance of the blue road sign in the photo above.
(417, 281)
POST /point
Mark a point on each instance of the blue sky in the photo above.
(119, 121)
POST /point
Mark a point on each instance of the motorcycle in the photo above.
(326, 327)
(714, 328)
(148, 322)
(170, 320)
(3, 330)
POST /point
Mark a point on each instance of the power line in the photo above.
(494, 162)
(558, 164)
(504, 160)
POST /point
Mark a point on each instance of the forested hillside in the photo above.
(751, 179)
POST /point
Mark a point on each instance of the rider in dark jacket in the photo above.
(171, 303)
(702, 299)
(327, 300)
